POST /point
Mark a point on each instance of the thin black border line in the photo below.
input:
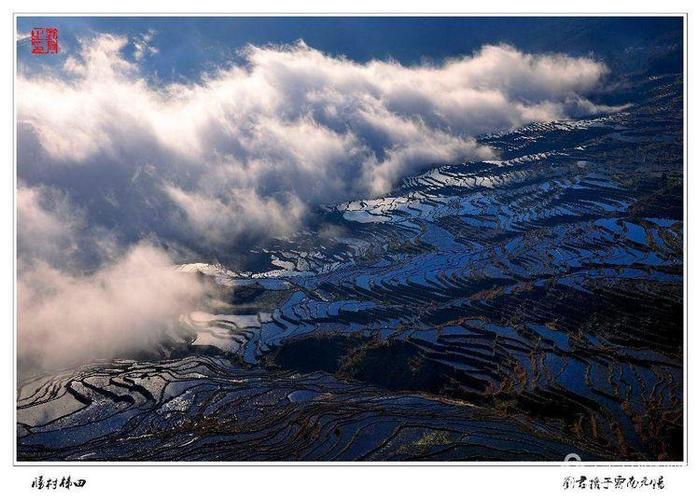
(684, 463)
(361, 14)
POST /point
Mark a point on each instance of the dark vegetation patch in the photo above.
(396, 365)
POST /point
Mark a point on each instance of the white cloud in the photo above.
(220, 222)
(125, 306)
(67, 313)
(46, 223)
(247, 148)
(53, 230)
(142, 45)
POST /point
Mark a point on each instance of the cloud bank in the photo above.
(64, 315)
(125, 306)
(248, 148)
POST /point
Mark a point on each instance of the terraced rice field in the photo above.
(518, 309)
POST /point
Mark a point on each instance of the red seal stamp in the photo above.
(45, 41)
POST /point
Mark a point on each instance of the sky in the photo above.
(189, 46)
(206, 135)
